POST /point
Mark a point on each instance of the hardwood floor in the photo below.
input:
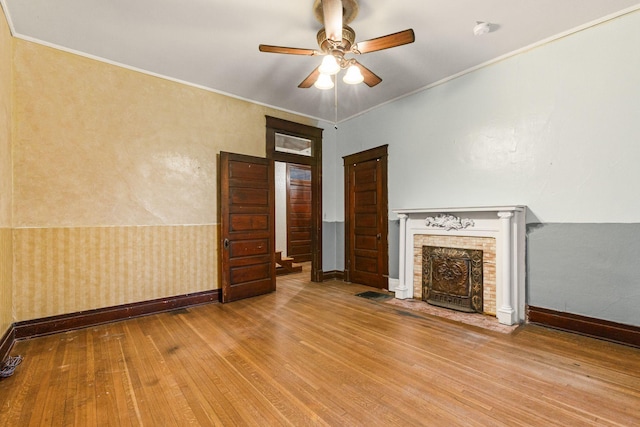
(315, 354)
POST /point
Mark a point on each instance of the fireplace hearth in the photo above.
(452, 278)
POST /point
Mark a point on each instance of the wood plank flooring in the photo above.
(315, 354)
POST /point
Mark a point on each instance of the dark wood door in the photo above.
(299, 212)
(366, 248)
(247, 226)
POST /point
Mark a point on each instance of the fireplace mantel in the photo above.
(506, 224)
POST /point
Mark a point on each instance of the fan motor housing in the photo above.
(348, 39)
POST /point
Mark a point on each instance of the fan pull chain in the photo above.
(335, 104)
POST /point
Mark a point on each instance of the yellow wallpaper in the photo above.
(98, 145)
(64, 270)
(5, 122)
(6, 296)
(115, 188)
(6, 255)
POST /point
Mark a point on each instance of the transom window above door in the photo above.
(292, 144)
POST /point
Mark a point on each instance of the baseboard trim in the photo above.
(66, 322)
(334, 274)
(597, 328)
(6, 343)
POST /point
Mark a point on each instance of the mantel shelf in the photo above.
(512, 208)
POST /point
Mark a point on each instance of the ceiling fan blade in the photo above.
(310, 80)
(332, 12)
(370, 78)
(386, 42)
(287, 50)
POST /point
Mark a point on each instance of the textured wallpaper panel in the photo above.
(6, 259)
(99, 145)
(65, 270)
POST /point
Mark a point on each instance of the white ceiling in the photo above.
(214, 43)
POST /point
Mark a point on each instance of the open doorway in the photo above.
(296, 151)
(293, 217)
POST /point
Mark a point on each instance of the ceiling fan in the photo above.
(335, 40)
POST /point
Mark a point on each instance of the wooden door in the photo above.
(366, 247)
(299, 212)
(247, 226)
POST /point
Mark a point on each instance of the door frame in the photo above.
(314, 134)
(364, 156)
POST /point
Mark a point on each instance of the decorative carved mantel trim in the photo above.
(449, 222)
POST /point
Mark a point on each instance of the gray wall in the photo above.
(587, 269)
(394, 249)
(332, 246)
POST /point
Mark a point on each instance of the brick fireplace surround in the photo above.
(498, 230)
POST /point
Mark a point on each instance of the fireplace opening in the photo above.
(452, 278)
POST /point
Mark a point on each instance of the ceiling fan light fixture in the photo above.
(324, 82)
(329, 65)
(353, 76)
